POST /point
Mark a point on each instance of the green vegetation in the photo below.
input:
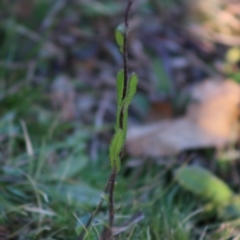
(51, 178)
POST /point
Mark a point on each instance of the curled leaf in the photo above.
(115, 149)
(119, 36)
(203, 183)
(124, 119)
(132, 88)
(120, 85)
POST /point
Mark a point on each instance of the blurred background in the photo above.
(58, 65)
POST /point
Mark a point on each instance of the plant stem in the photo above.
(121, 120)
(125, 52)
(110, 186)
(83, 232)
(111, 198)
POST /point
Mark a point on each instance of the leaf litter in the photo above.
(77, 60)
(211, 121)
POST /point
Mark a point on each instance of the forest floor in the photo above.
(58, 65)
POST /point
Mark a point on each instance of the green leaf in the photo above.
(117, 125)
(119, 36)
(120, 86)
(115, 149)
(203, 183)
(125, 119)
(132, 88)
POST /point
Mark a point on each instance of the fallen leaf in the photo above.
(211, 121)
(161, 109)
(221, 27)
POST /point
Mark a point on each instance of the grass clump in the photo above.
(49, 184)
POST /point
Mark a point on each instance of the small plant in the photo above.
(126, 88)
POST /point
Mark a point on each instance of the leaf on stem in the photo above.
(132, 88)
(125, 122)
(211, 120)
(119, 36)
(115, 149)
(120, 86)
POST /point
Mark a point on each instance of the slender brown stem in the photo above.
(111, 181)
(111, 198)
(125, 52)
(121, 120)
(82, 234)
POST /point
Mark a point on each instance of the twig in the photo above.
(108, 235)
(111, 198)
(121, 120)
(125, 52)
(82, 234)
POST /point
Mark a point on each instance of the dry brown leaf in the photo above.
(211, 121)
(222, 26)
(159, 110)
